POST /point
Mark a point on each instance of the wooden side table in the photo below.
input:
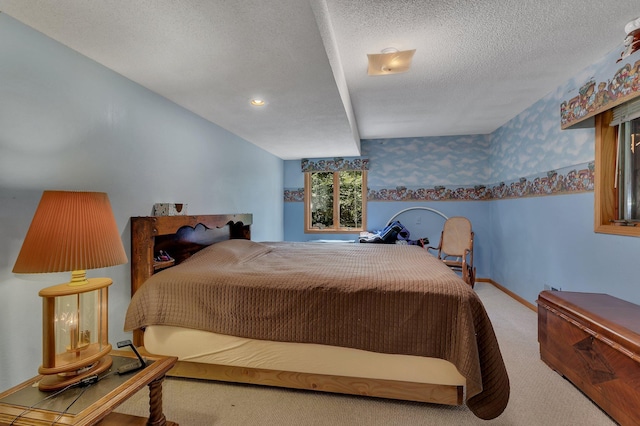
(25, 404)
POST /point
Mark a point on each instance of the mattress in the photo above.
(213, 348)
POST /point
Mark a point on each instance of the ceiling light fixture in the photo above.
(258, 102)
(632, 40)
(390, 61)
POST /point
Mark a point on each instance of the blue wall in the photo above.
(69, 123)
(550, 240)
(415, 162)
(412, 163)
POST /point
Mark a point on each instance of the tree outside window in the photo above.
(335, 202)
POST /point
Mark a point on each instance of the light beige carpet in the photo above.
(539, 396)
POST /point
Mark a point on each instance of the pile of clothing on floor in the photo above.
(394, 233)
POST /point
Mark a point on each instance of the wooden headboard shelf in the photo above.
(179, 236)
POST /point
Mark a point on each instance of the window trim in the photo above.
(605, 195)
(336, 206)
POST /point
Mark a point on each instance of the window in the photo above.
(617, 179)
(628, 170)
(335, 202)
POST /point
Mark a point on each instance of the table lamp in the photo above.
(72, 231)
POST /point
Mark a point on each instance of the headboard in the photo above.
(179, 236)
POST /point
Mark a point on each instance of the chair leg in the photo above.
(469, 275)
(473, 277)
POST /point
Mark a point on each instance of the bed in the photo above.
(365, 319)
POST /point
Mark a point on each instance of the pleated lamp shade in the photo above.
(71, 231)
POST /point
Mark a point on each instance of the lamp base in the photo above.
(54, 382)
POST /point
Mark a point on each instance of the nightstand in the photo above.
(95, 403)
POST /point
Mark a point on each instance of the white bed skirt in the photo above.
(211, 348)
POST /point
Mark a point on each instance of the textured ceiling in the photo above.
(477, 63)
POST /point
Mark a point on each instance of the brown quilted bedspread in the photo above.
(376, 297)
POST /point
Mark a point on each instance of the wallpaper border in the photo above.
(567, 180)
(594, 96)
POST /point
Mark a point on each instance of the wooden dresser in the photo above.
(593, 340)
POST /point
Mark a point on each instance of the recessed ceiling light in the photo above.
(257, 102)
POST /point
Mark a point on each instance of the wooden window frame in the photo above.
(336, 206)
(605, 195)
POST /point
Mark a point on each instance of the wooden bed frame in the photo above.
(149, 235)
